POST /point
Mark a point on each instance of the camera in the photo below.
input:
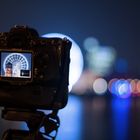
(34, 71)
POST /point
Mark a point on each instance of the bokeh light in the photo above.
(134, 86)
(138, 86)
(100, 59)
(124, 88)
(111, 86)
(120, 87)
(91, 44)
(85, 84)
(100, 86)
(76, 64)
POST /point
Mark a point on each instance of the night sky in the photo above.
(114, 23)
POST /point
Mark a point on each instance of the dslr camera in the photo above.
(34, 71)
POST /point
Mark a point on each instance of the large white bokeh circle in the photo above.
(76, 64)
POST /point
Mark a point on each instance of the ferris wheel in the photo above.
(18, 61)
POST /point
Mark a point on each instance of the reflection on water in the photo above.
(120, 118)
(94, 118)
(71, 120)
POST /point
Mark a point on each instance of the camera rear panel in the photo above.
(33, 70)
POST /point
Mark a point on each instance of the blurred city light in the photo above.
(111, 85)
(76, 63)
(138, 86)
(100, 59)
(85, 83)
(100, 86)
(124, 88)
(135, 86)
(91, 44)
(120, 87)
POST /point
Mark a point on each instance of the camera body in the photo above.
(34, 71)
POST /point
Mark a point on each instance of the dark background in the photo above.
(114, 23)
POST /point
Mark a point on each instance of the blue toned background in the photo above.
(104, 102)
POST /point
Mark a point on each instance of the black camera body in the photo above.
(34, 71)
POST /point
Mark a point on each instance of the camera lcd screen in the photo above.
(15, 64)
